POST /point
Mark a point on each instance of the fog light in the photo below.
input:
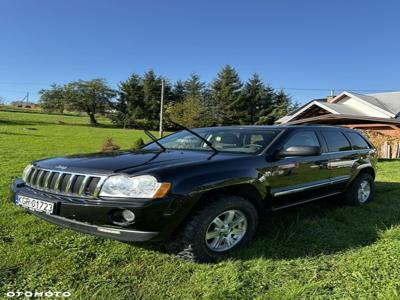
(128, 215)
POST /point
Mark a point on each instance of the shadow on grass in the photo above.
(33, 123)
(321, 227)
(324, 227)
(19, 134)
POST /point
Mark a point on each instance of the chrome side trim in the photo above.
(303, 202)
(296, 190)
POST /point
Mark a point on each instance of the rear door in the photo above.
(296, 179)
(341, 157)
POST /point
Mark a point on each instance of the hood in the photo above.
(105, 163)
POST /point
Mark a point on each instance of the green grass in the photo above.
(315, 251)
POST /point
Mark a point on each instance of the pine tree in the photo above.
(179, 91)
(130, 101)
(194, 87)
(256, 101)
(226, 91)
(151, 95)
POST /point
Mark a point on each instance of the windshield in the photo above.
(223, 139)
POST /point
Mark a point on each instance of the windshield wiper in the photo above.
(195, 134)
(151, 136)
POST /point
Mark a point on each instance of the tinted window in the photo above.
(336, 141)
(303, 138)
(357, 141)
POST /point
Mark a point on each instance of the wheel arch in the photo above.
(244, 190)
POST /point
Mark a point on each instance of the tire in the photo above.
(190, 242)
(353, 196)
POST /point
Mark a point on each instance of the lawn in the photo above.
(315, 251)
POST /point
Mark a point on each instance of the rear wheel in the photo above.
(216, 230)
(360, 191)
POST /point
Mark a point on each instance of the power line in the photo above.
(283, 88)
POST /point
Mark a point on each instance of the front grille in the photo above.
(64, 183)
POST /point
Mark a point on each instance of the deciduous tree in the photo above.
(92, 96)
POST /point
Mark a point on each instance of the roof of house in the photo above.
(387, 103)
(390, 100)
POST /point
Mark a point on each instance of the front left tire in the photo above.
(216, 230)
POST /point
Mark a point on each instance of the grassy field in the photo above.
(315, 251)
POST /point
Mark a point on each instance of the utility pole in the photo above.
(161, 108)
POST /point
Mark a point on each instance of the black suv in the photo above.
(200, 191)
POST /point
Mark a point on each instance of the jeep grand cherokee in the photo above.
(200, 191)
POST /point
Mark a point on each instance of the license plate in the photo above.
(35, 204)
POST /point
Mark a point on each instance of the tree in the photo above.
(257, 100)
(151, 95)
(53, 99)
(129, 103)
(179, 92)
(283, 105)
(194, 87)
(188, 112)
(226, 90)
(92, 96)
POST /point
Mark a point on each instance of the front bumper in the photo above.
(107, 232)
(154, 220)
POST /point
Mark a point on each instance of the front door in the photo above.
(300, 178)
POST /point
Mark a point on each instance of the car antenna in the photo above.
(196, 134)
(151, 136)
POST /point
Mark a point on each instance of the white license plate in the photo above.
(35, 204)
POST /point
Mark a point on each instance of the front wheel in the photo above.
(216, 230)
(360, 191)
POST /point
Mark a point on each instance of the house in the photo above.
(24, 104)
(376, 113)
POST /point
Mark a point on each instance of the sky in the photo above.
(305, 47)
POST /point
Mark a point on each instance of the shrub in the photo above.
(109, 146)
(137, 144)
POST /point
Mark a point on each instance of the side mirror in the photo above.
(300, 151)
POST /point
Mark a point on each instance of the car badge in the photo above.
(60, 167)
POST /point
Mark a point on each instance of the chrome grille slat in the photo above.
(46, 180)
(32, 177)
(58, 181)
(83, 185)
(69, 184)
(39, 177)
(52, 181)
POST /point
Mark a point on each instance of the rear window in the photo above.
(336, 141)
(357, 141)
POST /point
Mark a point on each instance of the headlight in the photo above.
(145, 186)
(26, 172)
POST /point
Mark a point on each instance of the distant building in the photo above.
(24, 104)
